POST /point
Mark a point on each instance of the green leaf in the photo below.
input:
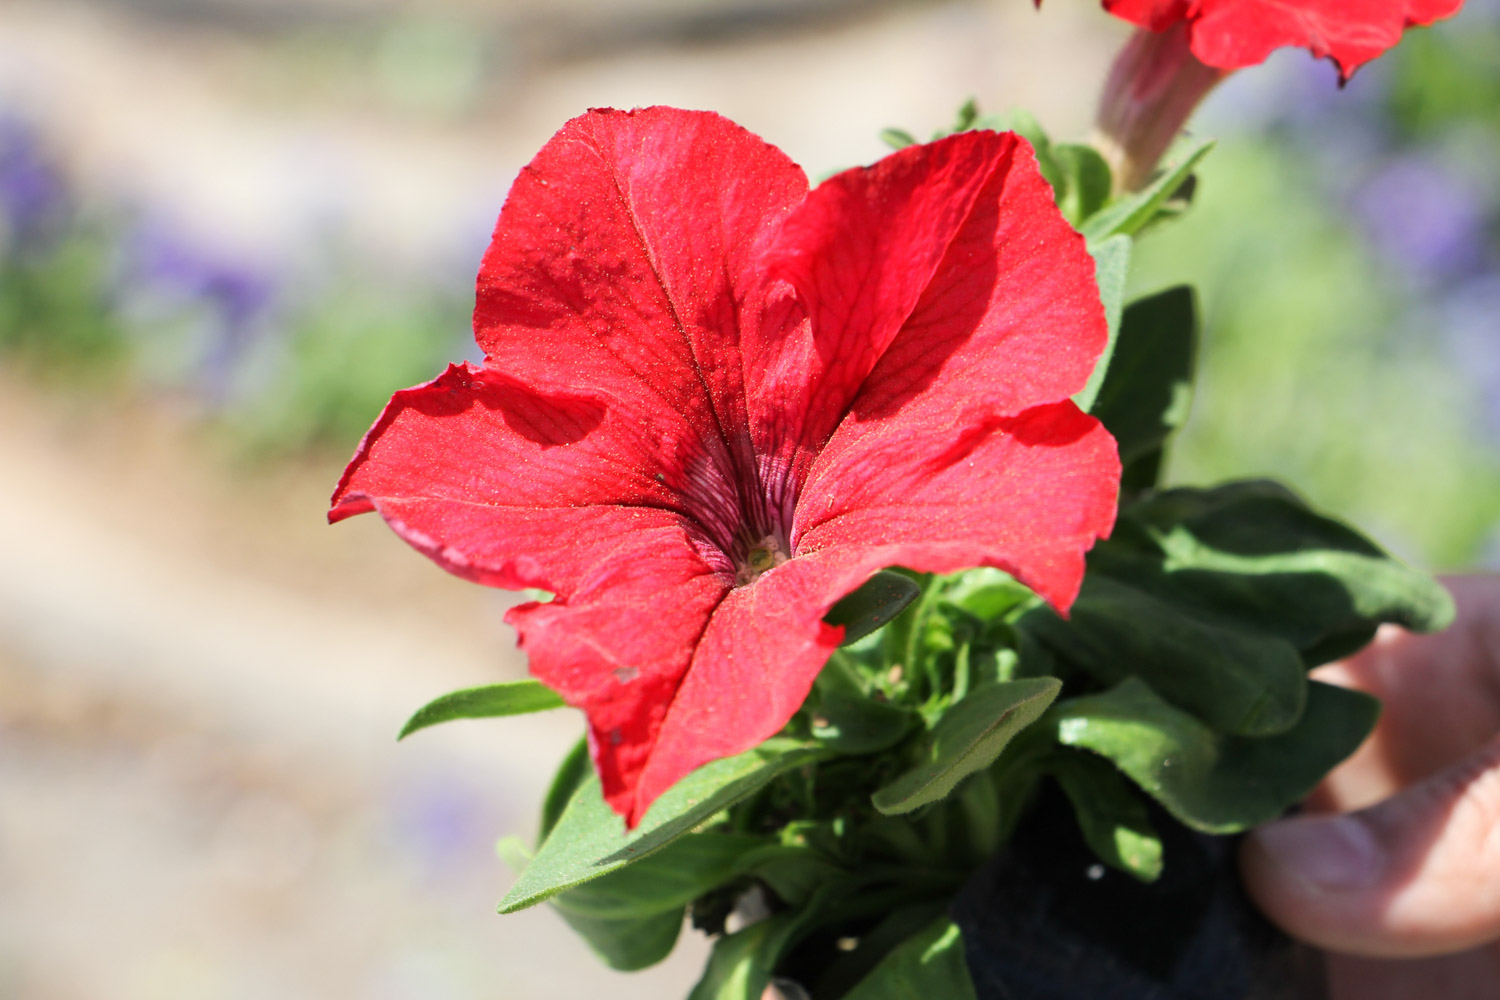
(881, 598)
(1131, 213)
(630, 917)
(929, 965)
(740, 965)
(968, 738)
(513, 698)
(846, 969)
(792, 872)
(1087, 181)
(1111, 816)
(847, 719)
(590, 838)
(631, 944)
(1212, 782)
(669, 879)
(897, 138)
(1025, 124)
(1111, 268)
(1149, 386)
(852, 723)
(968, 115)
(987, 593)
(1236, 681)
(1253, 555)
(572, 772)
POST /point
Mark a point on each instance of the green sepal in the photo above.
(590, 839)
(1111, 816)
(968, 737)
(1148, 388)
(930, 964)
(1236, 681)
(1212, 782)
(488, 701)
(1253, 555)
(1086, 181)
(1111, 268)
(1131, 213)
(881, 598)
(630, 917)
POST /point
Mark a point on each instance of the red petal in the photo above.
(481, 442)
(1010, 319)
(1028, 494)
(754, 664)
(945, 452)
(625, 261)
(860, 251)
(620, 645)
(1230, 34)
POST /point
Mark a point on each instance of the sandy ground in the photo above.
(200, 795)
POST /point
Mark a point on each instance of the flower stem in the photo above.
(1153, 88)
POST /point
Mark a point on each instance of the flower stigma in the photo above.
(764, 555)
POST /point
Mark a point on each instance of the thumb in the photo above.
(1417, 874)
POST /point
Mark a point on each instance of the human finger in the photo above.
(1415, 875)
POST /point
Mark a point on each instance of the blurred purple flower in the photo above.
(1425, 218)
(236, 296)
(439, 821)
(1470, 317)
(33, 194)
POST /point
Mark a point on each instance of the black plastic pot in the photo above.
(1045, 921)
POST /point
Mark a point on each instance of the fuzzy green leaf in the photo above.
(512, 698)
(630, 944)
(1111, 268)
(740, 965)
(882, 597)
(1131, 213)
(929, 964)
(1149, 386)
(630, 917)
(1213, 782)
(1086, 181)
(1236, 681)
(968, 738)
(590, 839)
(1254, 556)
(1111, 816)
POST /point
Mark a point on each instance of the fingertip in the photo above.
(1416, 875)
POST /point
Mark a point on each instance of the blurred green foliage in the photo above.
(1301, 376)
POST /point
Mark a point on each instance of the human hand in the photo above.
(1395, 866)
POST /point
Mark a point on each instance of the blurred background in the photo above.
(230, 228)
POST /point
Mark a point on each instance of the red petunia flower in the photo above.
(1231, 34)
(713, 403)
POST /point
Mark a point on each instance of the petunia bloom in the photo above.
(1186, 47)
(714, 402)
(1232, 34)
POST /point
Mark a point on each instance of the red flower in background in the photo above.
(1230, 34)
(713, 403)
